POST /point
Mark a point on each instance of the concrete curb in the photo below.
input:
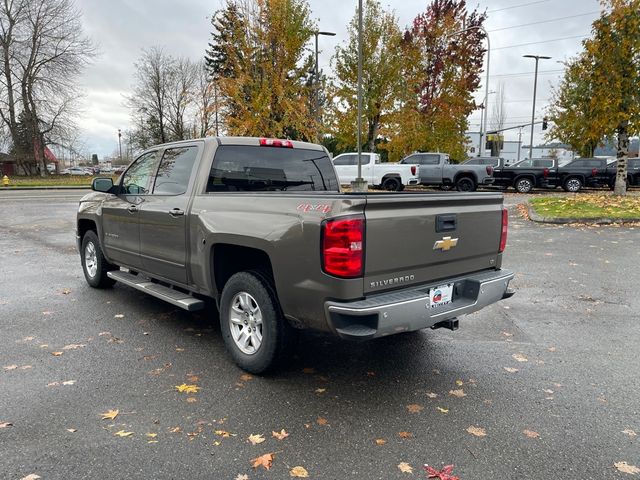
(48, 187)
(566, 220)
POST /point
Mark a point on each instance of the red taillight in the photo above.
(489, 170)
(594, 172)
(413, 170)
(503, 233)
(343, 247)
(545, 172)
(274, 142)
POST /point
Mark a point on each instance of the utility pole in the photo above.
(316, 82)
(535, 85)
(519, 142)
(359, 185)
(120, 144)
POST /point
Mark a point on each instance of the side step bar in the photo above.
(169, 295)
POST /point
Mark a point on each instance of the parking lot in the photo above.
(543, 385)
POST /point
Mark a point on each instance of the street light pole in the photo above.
(483, 123)
(359, 185)
(120, 144)
(535, 85)
(316, 81)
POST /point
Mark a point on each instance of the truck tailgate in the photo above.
(401, 235)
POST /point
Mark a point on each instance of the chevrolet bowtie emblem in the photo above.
(447, 243)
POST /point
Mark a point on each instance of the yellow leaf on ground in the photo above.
(224, 433)
(405, 434)
(443, 410)
(531, 433)
(322, 421)
(280, 435)
(404, 467)
(256, 439)
(246, 377)
(152, 435)
(57, 354)
(184, 388)
(320, 390)
(624, 467)
(477, 431)
(299, 472)
(457, 393)
(432, 395)
(415, 408)
(69, 382)
(175, 430)
(380, 441)
(110, 414)
(66, 291)
(459, 383)
(264, 461)
(519, 357)
(122, 433)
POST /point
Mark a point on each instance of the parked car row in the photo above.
(435, 169)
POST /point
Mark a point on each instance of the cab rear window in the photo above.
(244, 168)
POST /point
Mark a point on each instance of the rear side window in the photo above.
(346, 160)
(242, 168)
(175, 170)
(428, 159)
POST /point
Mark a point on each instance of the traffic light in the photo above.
(544, 123)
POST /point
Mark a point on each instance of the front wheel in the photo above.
(94, 265)
(524, 185)
(572, 185)
(254, 330)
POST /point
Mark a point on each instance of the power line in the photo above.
(544, 21)
(517, 6)
(520, 74)
(542, 41)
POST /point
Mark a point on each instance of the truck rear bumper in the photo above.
(409, 309)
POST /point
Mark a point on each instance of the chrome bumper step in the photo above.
(169, 295)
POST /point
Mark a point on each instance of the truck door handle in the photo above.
(446, 223)
(132, 209)
(176, 212)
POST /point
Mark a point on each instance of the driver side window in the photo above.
(137, 179)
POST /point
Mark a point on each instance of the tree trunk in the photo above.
(622, 154)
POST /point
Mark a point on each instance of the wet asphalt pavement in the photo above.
(550, 377)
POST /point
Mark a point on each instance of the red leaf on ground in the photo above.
(444, 474)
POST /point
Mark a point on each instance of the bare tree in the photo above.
(44, 52)
(206, 103)
(498, 112)
(181, 76)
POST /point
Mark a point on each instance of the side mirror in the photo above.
(102, 185)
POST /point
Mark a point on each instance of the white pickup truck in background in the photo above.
(390, 176)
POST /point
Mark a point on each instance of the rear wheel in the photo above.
(94, 265)
(465, 184)
(392, 184)
(254, 330)
(524, 185)
(573, 185)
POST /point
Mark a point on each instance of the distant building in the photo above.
(558, 150)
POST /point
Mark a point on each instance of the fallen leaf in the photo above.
(280, 435)
(531, 433)
(10, 367)
(510, 369)
(184, 388)
(118, 315)
(477, 431)
(26, 367)
(380, 441)
(224, 433)
(299, 472)
(445, 474)
(6, 424)
(457, 393)
(179, 349)
(624, 467)
(243, 476)
(264, 461)
(192, 399)
(415, 408)
(459, 383)
(102, 334)
(519, 357)
(443, 410)
(246, 377)
(404, 467)
(110, 414)
(151, 435)
(66, 291)
(31, 476)
(122, 433)
(69, 382)
(256, 439)
(192, 378)
(507, 334)
(432, 395)
(551, 349)
(320, 390)
(53, 384)
(371, 374)
(405, 434)
(629, 432)
(546, 390)
(73, 346)
(322, 421)
(176, 430)
(72, 430)
(57, 354)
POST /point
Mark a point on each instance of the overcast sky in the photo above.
(122, 28)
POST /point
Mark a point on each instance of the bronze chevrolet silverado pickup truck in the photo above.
(261, 226)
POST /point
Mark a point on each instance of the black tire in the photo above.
(277, 336)
(523, 185)
(572, 185)
(465, 184)
(95, 267)
(392, 184)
